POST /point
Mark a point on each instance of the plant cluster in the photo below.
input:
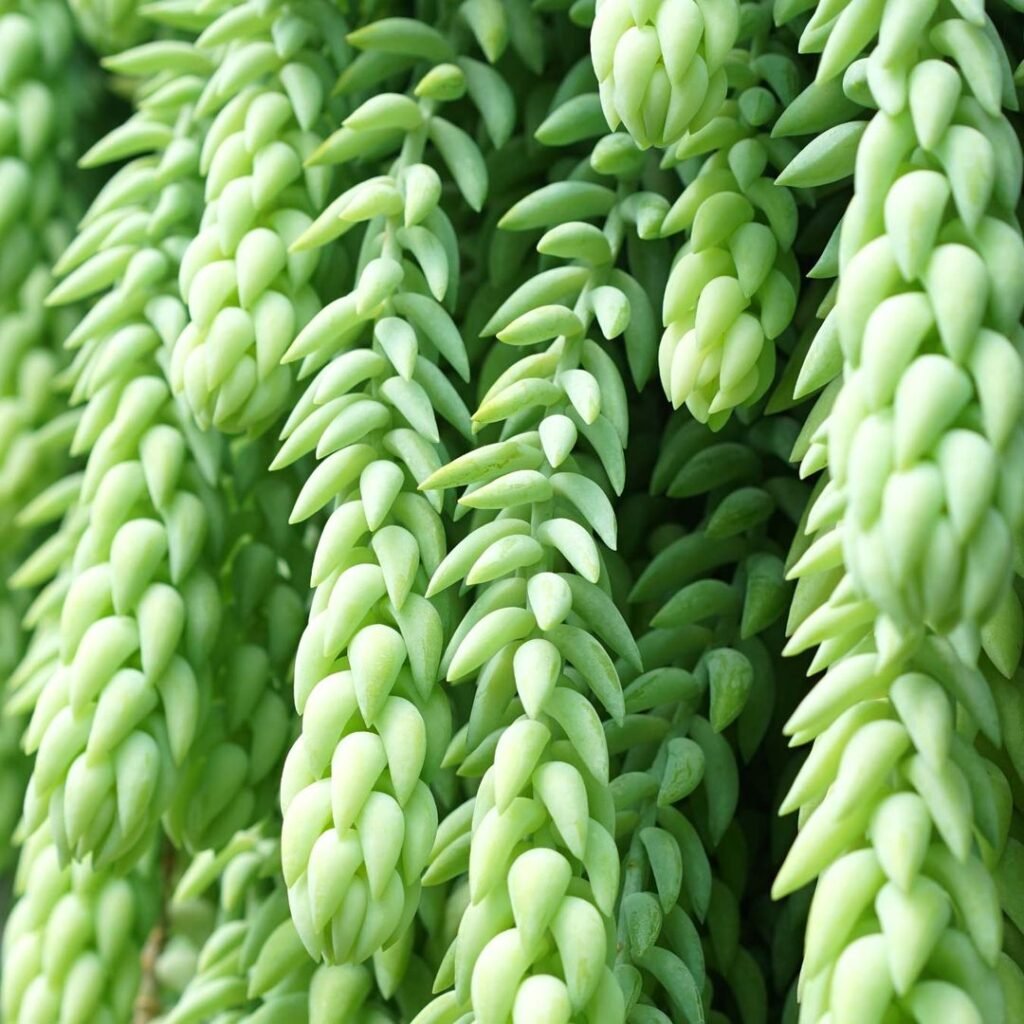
(512, 512)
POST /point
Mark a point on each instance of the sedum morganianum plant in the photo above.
(252, 966)
(71, 943)
(231, 779)
(541, 637)
(47, 114)
(906, 586)
(130, 615)
(44, 123)
(359, 816)
(707, 667)
(247, 295)
(734, 284)
(378, 645)
(660, 64)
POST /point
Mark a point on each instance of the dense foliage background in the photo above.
(511, 512)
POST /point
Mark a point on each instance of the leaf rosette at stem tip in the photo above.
(659, 64)
(266, 101)
(735, 283)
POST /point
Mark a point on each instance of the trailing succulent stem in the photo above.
(906, 585)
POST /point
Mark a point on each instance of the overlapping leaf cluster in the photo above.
(380, 645)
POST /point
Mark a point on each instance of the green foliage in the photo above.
(378, 645)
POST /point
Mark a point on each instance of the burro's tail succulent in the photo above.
(128, 614)
(699, 711)
(659, 64)
(359, 816)
(71, 944)
(734, 283)
(252, 967)
(536, 942)
(378, 645)
(47, 99)
(906, 586)
(247, 296)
